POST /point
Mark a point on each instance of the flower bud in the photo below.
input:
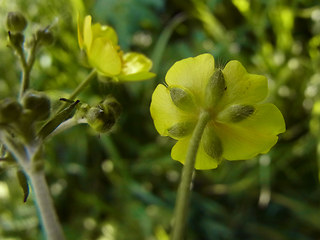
(82, 111)
(181, 130)
(113, 105)
(182, 98)
(45, 36)
(16, 22)
(101, 120)
(10, 110)
(215, 88)
(38, 103)
(16, 39)
(236, 113)
(211, 143)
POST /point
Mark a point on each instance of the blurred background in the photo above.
(122, 185)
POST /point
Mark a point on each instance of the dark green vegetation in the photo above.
(123, 185)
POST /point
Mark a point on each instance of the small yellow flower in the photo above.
(240, 126)
(100, 43)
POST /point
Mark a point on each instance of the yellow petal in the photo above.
(104, 57)
(135, 63)
(104, 31)
(267, 119)
(193, 74)
(135, 67)
(255, 134)
(87, 33)
(203, 160)
(242, 87)
(164, 113)
(137, 76)
(80, 31)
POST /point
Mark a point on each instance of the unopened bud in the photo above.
(182, 98)
(16, 39)
(45, 36)
(180, 130)
(211, 143)
(100, 120)
(111, 104)
(38, 103)
(16, 22)
(10, 110)
(215, 88)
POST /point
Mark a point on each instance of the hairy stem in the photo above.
(23, 155)
(67, 125)
(45, 206)
(16, 149)
(182, 202)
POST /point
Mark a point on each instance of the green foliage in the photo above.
(123, 185)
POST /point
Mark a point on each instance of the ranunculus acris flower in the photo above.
(240, 126)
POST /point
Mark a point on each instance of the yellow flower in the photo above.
(100, 43)
(240, 126)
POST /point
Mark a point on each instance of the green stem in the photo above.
(16, 149)
(45, 206)
(182, 202)
(23, 155)
(26, 67)
(25, 71)
(80, 87)
(25, 81)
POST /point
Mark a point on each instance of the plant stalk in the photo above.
(182, 201)
(80, 87)
(83, 84)
(66, 125)
(49, 219)
(26, 67)
(48, 216)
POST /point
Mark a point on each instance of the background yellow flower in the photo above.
(100, 43)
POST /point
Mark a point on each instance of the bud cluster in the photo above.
(10, 110)
(37, 104)
(21, 117)
(16, 24)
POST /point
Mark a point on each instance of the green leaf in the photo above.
(62, 116)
